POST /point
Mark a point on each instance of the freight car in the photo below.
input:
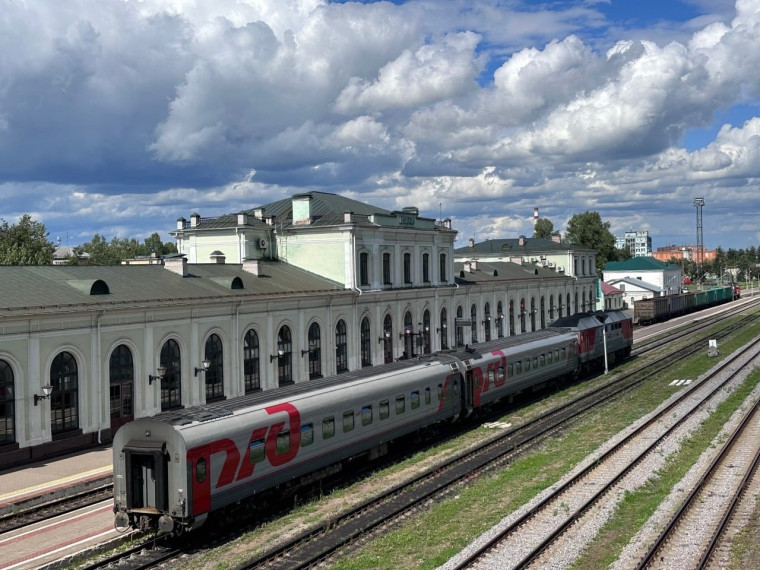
(174, 469)
(657, 309)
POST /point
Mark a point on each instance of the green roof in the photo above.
(639, 264)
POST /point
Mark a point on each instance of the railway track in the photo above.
(692, 536)
(322, 541)
(543, 534)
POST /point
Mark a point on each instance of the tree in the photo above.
(25, 243)
(587, 230)
(102, 252)
(543, 228)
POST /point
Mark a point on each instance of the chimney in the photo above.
(258, 213)
(471, 242)
(447, 223)
(252, 266)
(270, 220)
(217, 257)
(467, 267)
(535, 214)
(347, 217)
(521, 241)
(181, 223)
(242, 219)
(176, 265)
(474, 265)
(557, 237)
(301, 205)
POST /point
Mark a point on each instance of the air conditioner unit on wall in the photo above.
(262, 243)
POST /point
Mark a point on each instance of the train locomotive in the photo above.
(172, 470)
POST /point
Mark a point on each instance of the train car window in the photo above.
(502, 373)
(366, 415)
(556, 355)
(415, 400)
(491, 376)
(307, 434)
(200, 470)
(257, 451)
(549, 356)
(428, 396)
(510, 369)
(535, 362)
(283, 442)
(440, 392)
(564, 353)
(328, 427)
(526, 364)
(348, 421)
(400, 404)
(385, 409)
(518, 367)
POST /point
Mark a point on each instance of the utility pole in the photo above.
(699, 204)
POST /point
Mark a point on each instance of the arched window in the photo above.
(315, 352)
(585, 308)
(522, 315)
(511, 318)
(214, 353)
(443, 330)
(499, 320)
(425, 332)
(458, 328)
(251, 362)
(7, 404)
(569, 312)
(285, 356)
(576, 302)
(473, 324)
(121, 377)
(64, 400)
(532, 313)
(487, 322)
(365, 343)
(543, 313)
(341, 347)
(408, 336)
(387, 339)
(171, 384)
(551, 307)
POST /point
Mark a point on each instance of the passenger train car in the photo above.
(174, 469)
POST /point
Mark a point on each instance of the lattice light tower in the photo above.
(699, 204)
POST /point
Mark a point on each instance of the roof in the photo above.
(502, 271)
(639, 264)
(512, 246)
(608, 289)
(637, 283)
(27, 288)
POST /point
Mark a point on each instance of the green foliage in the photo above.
(25, 243)
(587, 230)
(103, 252)
(543, 228)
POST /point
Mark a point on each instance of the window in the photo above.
(414, 399)
(440, 392)
(328, 427)
(442, 267)
(408, 268)
(257, 451)
(511, 318)
(487, 322)
(459, 329)
(474, 323)
(121, 375)
(364, 268)
(365, 343)
(307, 435)
(315, 352)
(64, 400)
(387, 269)
(7, 404)
(283, 442)
(499, 320)
(214, 376)
(400, 404)
(284, 356)
(251, 362)
(385, 409)
(348, 421)
(443, 330)
(428, 396)
(366, 415)
(425, 332)
(522, 315)
(408, 336)
(341, 347)
(171, 384)
(425, 268)
(387, 339)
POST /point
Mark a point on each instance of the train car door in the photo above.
(147, 464)
(199, 464)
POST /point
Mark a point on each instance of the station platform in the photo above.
(54, 478)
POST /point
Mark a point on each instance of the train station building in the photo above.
(314, 285)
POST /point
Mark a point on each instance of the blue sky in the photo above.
(119, 116)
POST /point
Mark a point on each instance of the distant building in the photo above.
(679, 252)
(638, 243)
(612, 298)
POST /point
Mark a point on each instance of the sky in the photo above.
(119, 116)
